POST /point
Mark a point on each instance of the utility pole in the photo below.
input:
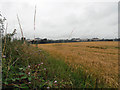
(34, 21)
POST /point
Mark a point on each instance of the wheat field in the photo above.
(99, 59)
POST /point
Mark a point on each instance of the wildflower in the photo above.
(41, 62)
(28, 73)
(48, 87)
(28, 66)
(29, 82)
(55, 84)
(44, 68)
(4, 56)
(38, 64)
(55, 81)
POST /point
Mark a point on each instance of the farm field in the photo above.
(99, 59)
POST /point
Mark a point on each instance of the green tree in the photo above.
(2, 28)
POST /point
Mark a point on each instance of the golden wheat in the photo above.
(99, 58)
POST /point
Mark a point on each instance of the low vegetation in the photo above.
(25, 66)
(99, 59)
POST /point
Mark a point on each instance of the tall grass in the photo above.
(75, 78)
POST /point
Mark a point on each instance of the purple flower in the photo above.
(28, 73)
(28, 66)
(4, 56)
(44, 68)
(29, 82)
(55, 81)
(41, 62)
(48, 87)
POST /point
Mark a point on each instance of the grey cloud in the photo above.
(57, 19)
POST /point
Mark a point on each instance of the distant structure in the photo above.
(45, 40)
(95, 39)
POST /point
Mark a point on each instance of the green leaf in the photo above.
(5, 82)
(24, 86)
(7, 79)
(24, 69)
(20, 68)
(23, 77)
(13, 79)
(17, 78)
(16, 85)
(29, 78)
(21, 73)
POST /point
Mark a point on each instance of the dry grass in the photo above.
(99, 58)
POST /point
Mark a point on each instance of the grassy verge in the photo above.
(29, 67)
(74, 78)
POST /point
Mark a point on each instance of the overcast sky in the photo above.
(62, 19)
